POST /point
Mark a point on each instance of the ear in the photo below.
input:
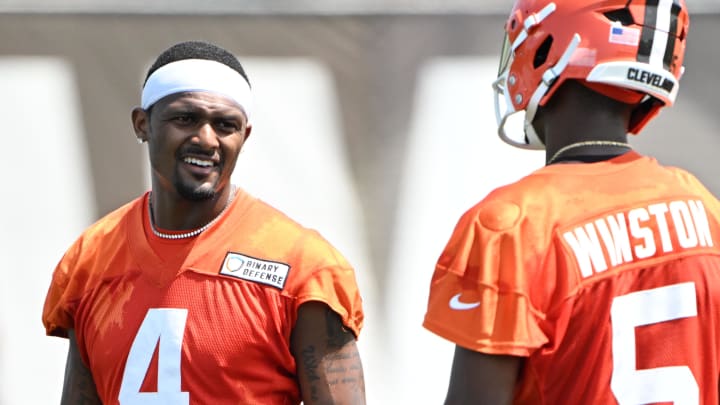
(248, 130)
(141, 123)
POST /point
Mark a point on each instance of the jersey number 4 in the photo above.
(662, 384)
(162, 328)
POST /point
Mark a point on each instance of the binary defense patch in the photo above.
(256, 270)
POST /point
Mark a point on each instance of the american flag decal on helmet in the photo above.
(659, 33)
(624, 35)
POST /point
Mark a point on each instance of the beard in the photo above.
(203, 192)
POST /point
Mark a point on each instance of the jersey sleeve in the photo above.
(60, 303)
(480, 291)
(329, 278)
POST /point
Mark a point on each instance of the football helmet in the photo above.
(630, 50)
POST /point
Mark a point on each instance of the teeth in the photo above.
(198, 162)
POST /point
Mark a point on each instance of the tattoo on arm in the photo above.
(343, 367)
(310, 362)
(328, 360)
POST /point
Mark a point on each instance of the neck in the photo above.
(581, 115)
(589, 151)
(172, 212)
(595, 140)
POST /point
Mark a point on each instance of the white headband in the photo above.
(197, 75)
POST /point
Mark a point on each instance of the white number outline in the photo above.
(662, 384)
(164, 327)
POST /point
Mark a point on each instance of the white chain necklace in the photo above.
(194, 232)
(587, 143)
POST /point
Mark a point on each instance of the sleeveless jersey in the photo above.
(604, 276)
(205, 320)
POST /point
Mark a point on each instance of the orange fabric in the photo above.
(535, 268)
(235, 342)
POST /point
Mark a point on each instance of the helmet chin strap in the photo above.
(548, 78)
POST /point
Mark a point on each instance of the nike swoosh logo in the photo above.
(455, 303)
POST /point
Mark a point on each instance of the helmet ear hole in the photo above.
(542, 52)
(621, 15)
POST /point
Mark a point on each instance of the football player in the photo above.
(595, 279)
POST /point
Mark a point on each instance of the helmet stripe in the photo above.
(670, 50)
(648, 32)
(662, 29)
(657, 41)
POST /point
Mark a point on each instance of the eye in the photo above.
(184, 119)
(228, 125)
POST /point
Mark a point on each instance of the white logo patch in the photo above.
(255, 270)
(458, 305)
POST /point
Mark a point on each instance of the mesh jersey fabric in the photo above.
(235, 340)
(603, 276)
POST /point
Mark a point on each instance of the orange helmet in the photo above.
(630, 50)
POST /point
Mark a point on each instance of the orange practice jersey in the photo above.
(205, 320)
(604, 276)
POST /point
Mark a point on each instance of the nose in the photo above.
(206, 136)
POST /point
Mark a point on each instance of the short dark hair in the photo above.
(196, 50)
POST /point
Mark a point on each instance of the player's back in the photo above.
(628, 285)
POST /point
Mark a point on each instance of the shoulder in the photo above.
(313, 269)
(109, 232)
(680, 181)
(277, 234)
(513, 224)
(694, 186)
(111, 224)
(665, 175)
(685, 177)
(508, 206)
(82, 267)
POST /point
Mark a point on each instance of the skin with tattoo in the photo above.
(328, 364)
(79, 387)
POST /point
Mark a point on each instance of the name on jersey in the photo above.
(256, 270)
(653, 79)
(637, 234)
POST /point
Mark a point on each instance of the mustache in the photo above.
(197, 150)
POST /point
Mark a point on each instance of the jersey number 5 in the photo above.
(163, 328)
(662, 384)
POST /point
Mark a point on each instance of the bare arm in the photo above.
(478, 378)
(79, 387)
(328, 362)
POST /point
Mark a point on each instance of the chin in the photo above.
(203, 192)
